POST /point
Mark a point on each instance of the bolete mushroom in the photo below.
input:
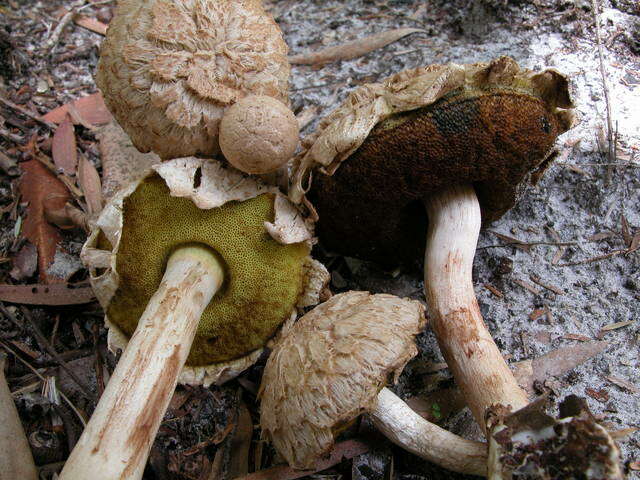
(438, 139)
(189, 232)
(333, 365)
(170, 69)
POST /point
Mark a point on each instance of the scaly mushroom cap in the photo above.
(170, 68)
(391, 145)
(260, 236)
(330, 367)
(531, 444)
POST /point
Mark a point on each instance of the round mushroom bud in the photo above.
(409, 158)
(169, 69)
(258, 134)
(196, 266)
(333, 365)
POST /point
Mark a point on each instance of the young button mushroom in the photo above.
(437, 138)
(170, 69)
(332, 366)
(189, 232)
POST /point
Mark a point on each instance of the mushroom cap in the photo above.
(330, 367)
(169, 69)
(258, 134)
(261, 238)
(391, 145)
(532, 444)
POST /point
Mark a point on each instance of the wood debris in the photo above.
(91, 23)
(54, 294)
(548, 286)
(527, 286)
(601, 395)
(575, 336)
(353, 49)
(494, 290)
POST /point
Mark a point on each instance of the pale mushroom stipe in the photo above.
(409, 158)
(169, 71)
(333, 365)
(194, 264)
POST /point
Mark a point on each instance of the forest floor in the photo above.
(559, 272)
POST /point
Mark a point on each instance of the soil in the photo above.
(535, 296)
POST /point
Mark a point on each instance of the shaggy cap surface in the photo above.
(329, 368)
(169, 68)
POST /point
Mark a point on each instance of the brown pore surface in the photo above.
(372, 206)
(263, 279)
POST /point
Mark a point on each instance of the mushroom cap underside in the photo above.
(264, 279)
(330, 367)
(169, 69)
(498, 139)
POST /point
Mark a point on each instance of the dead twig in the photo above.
(28, 113)
(66, 19)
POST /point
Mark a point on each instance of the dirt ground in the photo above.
(573, 277)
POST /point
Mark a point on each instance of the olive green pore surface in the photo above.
(263, 279)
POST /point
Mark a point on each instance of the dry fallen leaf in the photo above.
(25, 262)
(59, 294)
(63, 148)
(91, 23)
(91, 108)
(240, 444)
(43, 191)
(122, 163)
(89, 182)
(353, 49)
(622, 383)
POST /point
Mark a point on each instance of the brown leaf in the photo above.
(67, 218)
(91, 23)
(560, 361)
(352, 49)
(91, 107)
(89, 181)
(343, 450)
(121, 161)
(25, 262)
(240, 444)
(58, 294)
(524, 246)
(63, 148)
(43, 191)
(626, 231)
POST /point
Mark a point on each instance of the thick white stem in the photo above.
(16, 461)
(477, 365)
(116, 442)
(404, 427)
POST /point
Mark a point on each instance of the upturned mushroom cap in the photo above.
(330, 367)
(531, 444)
(390, 145)
(258, 134)
(170, 68)
(260, 237)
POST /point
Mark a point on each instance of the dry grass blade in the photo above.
(353, 49)
(344, 450)
(63, 148)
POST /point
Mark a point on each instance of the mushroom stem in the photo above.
(477, 365)
(404, 427)
(118, 437)
(16, 460)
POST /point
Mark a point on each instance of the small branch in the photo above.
(66, 19)
(28, 113)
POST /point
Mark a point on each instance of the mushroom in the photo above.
(170, 69)
(333, 365)
(437, 138)
(189, 232)
(527, 442)
(16, 461)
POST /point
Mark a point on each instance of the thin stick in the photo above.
(28, 113)
(54, 38)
